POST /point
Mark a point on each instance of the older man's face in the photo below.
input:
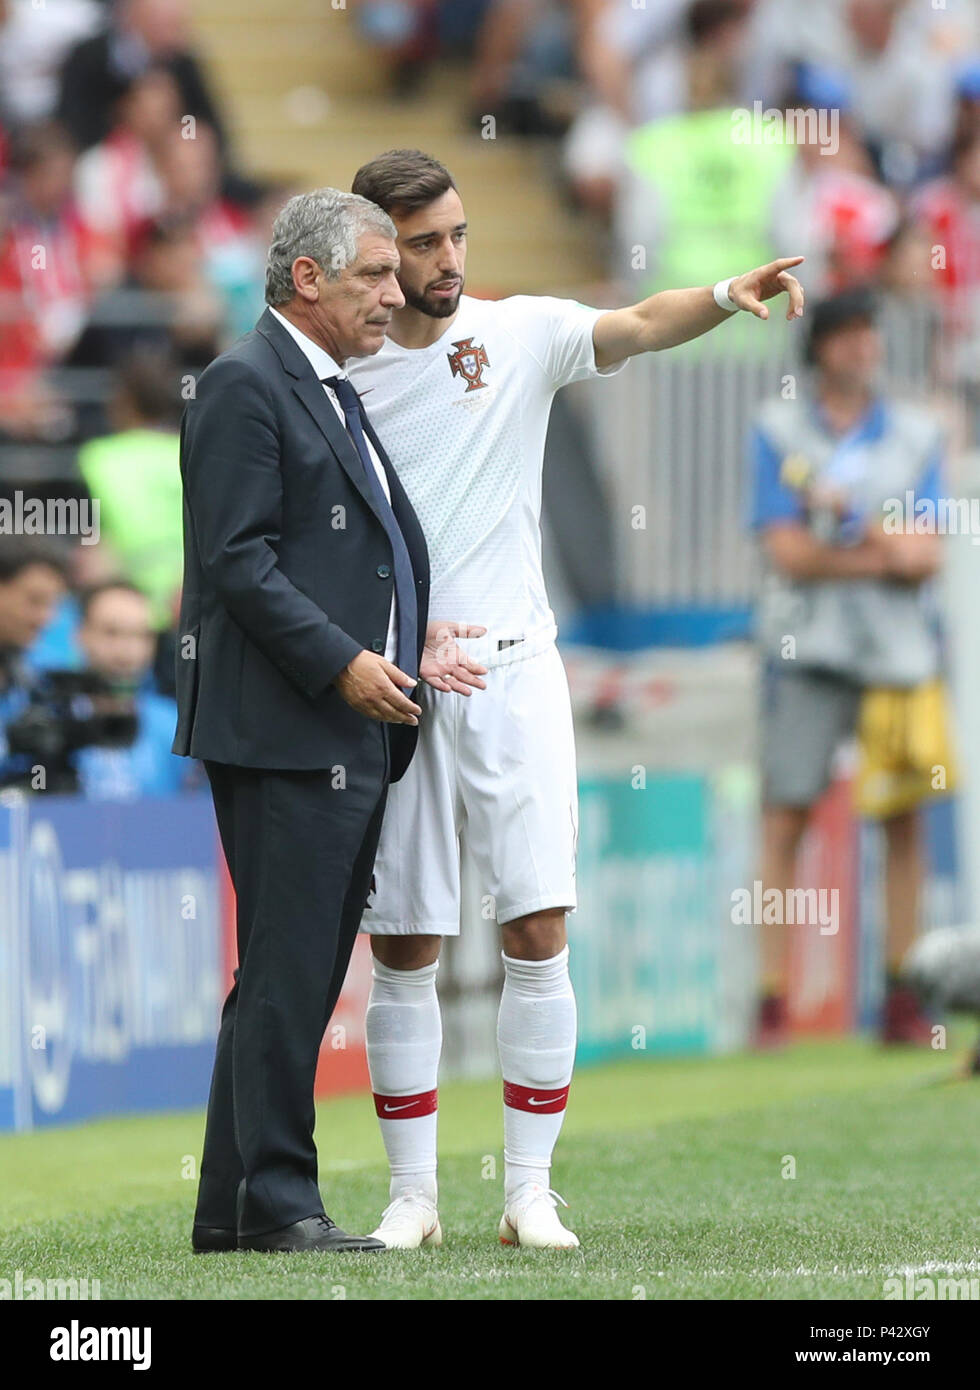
(355, 310)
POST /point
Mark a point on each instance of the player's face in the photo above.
(432, 243)
(354, 311)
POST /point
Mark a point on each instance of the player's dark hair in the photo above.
(402, 181)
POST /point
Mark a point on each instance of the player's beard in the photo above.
(434, 308)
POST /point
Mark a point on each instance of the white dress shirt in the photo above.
(324, 365)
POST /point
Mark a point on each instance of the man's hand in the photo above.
(444, 665)
(749, 290)
(370, 684)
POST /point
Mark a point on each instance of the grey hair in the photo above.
(324, 225)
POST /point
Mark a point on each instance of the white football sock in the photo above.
(536, 1034)
(403, 1027)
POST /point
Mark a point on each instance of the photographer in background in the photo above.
(101, 731)
(32, 579)
(118, 642)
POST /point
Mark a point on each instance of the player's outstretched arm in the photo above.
(445, 666)
(677, 316)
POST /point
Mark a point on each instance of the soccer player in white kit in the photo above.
(461, 393)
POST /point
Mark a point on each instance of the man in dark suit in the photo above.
(303, 624)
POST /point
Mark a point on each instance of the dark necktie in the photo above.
(406, 656)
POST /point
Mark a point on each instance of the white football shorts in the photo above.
(493, 776)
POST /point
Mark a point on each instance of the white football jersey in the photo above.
(464, 423)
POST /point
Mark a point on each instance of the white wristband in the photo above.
(721, 296)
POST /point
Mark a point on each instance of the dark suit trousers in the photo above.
(300, 851)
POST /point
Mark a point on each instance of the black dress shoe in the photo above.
(312, 1233)
(208, 1239)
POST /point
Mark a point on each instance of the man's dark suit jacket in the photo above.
(288, 570)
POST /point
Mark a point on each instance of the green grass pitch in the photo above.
(673, 1168)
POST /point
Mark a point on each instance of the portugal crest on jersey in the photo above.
(468, 362)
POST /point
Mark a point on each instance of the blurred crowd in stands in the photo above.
(132, 249)
(132, 244)
(884, 191)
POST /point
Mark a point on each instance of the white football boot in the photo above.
(531, 1218)
(408, 1222)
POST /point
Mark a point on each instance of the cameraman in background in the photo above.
(102, 731)
(32, 580)
(118, 641)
